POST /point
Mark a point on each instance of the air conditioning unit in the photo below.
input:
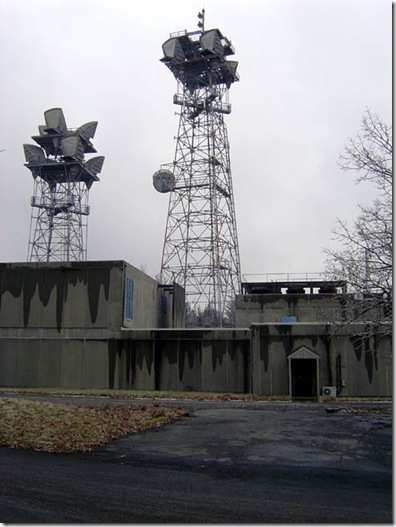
(330, 391)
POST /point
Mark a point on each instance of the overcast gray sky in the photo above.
(308, 71)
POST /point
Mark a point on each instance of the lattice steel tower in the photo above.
(201, 245)
(62, 179)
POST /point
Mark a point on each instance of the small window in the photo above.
(128, 299)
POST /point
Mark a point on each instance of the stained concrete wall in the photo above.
(60, 297)
(207, 360)
(358, 366)
(372, 358)
(59, 321)
(61, 325)
(259, 308)
(244, 361)
(80, 298)
(188, 359)
(68, 363)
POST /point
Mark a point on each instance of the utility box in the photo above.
(329, 391)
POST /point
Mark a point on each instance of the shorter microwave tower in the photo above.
(62, 180)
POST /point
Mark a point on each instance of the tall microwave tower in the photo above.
(62, 180)
(200, 249)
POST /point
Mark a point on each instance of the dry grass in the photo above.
(53, 427)
(176, 395)
(147, 394)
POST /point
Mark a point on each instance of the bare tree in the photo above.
(365, 259)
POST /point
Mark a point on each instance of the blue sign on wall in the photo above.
(288, 318)
(128, 299)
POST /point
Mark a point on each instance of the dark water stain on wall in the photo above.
(230, 346)
(361, 344)
(75, 276)
(190, 350)
(133, 360)
(357, 344)
(112, 349)
(144, 354)
(30, 282)
(264, 352)
(25, 282)
(326, 339)
(369, 363)
(285, 332)
(368, 359)
(180, 360)
(10, 281)
(218, 353)
(138, 355)
(60, 282)
(158, 355)
(14, 282)
(43, 281)
(292, 301)
(191, 358)
(375, 350)
(264, 347)
(97, 278)
(169, 351)
(129, 365)
(149, 356)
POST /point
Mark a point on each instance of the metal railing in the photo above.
(284, 277)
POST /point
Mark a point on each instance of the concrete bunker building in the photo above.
(108, 325)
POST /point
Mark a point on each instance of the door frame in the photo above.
(302, 353)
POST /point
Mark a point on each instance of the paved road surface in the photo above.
(229, 462)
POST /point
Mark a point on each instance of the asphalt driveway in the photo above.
(228, 462)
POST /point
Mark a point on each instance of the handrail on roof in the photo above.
(287, 277)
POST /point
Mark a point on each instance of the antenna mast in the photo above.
(201, 20)
(201, 245)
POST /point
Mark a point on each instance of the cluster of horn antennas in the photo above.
(62, 179)
(199, 59)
